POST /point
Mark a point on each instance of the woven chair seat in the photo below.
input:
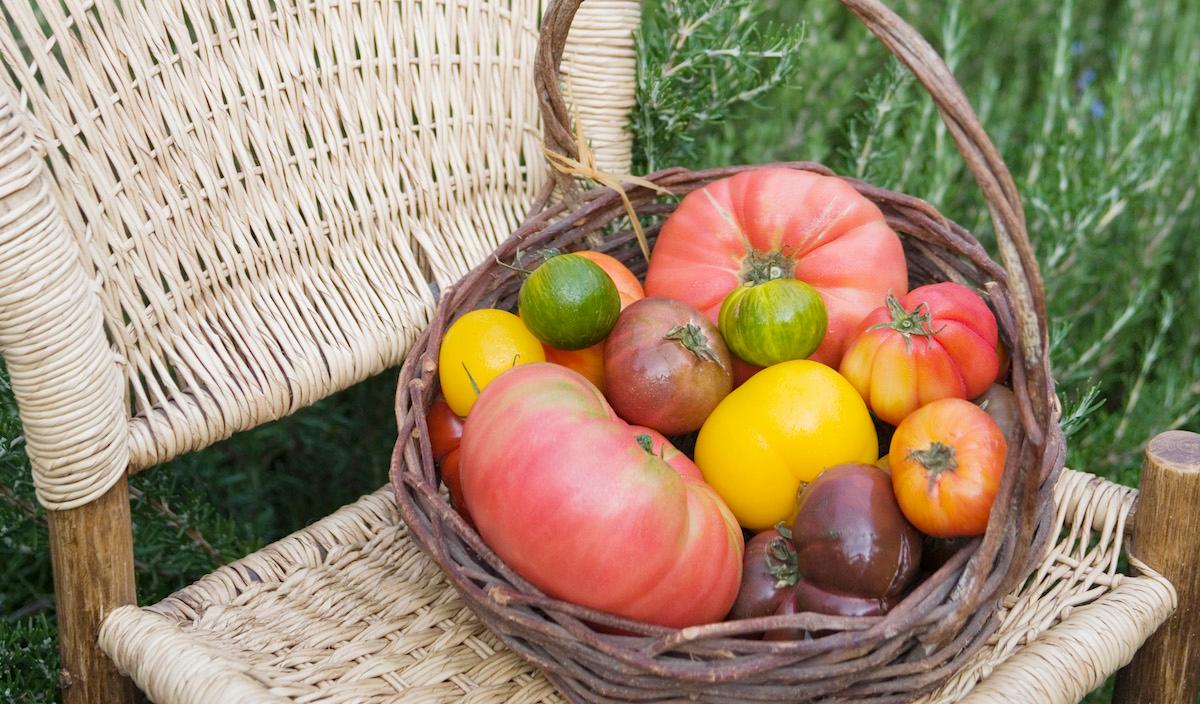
(349, 609)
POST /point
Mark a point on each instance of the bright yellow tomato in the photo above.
(477, 348)
(783, 427)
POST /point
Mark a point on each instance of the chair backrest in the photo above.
(258, 200)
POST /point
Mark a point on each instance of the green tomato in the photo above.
(569, 302)
(773, 322)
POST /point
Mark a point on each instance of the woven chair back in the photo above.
(267, 197)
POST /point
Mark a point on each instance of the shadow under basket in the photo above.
(894, 658)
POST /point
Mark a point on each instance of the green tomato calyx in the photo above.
(937, 458)
(761, 267)
(647, 444)
(781, 558)
(692, 338)
(908, 323)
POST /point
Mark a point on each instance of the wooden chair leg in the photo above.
(92, 552)
(1166, 536)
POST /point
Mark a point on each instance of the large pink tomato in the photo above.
(592, 510)
(780, 223)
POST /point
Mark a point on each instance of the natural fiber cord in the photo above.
(350, 610)
(256, 198)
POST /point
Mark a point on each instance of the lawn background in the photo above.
(1092, 103)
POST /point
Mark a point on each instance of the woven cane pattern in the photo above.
(350, 610)
(51, 335)
(265, 192)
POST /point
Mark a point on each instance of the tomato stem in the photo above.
(937, 458)
(761, 267)
(781, 561)
(692, 338)
(908, 323)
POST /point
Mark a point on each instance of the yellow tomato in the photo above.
(477, 348)
(782, 428)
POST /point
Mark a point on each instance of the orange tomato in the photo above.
(628, 286)
(947, 458)
(588, 361)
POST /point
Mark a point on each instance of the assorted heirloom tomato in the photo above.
(592, 510)
(947, 459)
(773, 321)
(445, 435)
(776, 343)
(780, 429)
(939, 341)
(780, 223)
(569, 302)
(665, 366)
(629, 289)
(477, 348)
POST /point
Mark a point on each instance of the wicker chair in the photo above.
(213, 215)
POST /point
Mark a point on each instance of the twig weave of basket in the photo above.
(937, 627)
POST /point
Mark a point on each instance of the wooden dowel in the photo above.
(1166, 536)
(91, 548)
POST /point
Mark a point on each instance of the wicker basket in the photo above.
(897, 657)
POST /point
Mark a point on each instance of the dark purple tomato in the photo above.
(665, 366)
(768, 575)
(819, 601)
(850, 535)
(787, 607)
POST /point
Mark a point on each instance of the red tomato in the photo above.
(445, 434)
(445, 428)
(947, 459)
(565, 493)
(628, 286)
(588, 361)
(780, 223)
(937, 342)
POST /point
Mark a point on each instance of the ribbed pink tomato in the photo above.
(592, 510)
(939, 341)
(774, 224)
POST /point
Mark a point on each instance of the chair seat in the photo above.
(349, 609)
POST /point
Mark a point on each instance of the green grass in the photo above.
(1092, 103)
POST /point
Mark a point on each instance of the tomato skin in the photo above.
(768, 575)
(569, 302)
(939, 341)
(653, 377)
(814, 228)
(561, 489)
(445, 434)
(629, 289)
(477, 348)
(445, 428)
(784, 426)
(947, 459)
(851, 537)
(588, 361)
(773, 322)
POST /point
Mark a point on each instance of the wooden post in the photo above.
(1166, 536)
(92, 551)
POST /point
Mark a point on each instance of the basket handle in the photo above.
(980, 155)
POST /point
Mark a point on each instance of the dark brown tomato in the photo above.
(819, 601)
(452, 477)
(665, 366)
(768, 575)
(850, 535)
(1001, 404)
